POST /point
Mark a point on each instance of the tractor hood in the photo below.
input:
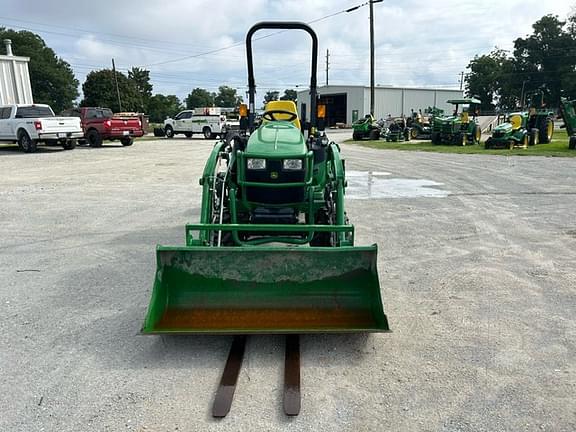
(277, 139)
(447, 119)
(505, 128)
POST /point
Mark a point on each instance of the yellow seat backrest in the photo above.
(284, 105)
(516, 121)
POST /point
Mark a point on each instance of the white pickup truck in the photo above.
(209, 122)
(29, 125)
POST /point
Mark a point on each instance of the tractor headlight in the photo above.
(256, 164)
(292, 164)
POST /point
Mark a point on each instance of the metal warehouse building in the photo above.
(345, 104)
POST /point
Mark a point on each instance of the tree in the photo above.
(547, 58)
(52, 79)
(141, 79)
(289, 95)
(161, 106)
(227, 97)
(100, 90)
(198, 98)
(271, 96)
(486, 76)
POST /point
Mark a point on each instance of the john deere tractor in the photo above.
(460, 128)
(567, 110)
(274, 250)
(512, 133)
(366, 128)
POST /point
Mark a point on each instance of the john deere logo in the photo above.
(273, 175)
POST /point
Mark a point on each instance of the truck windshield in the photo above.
(34, 111)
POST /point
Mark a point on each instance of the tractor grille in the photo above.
(498, 134)
(271, 195)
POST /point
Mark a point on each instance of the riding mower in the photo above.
(366, 128)
(419, 126)
(396, 131)
(513, 133)
(567, 110)
(460, 128)
(274, 251)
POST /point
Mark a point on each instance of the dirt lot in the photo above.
(477, 263)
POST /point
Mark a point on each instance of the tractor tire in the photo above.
(169, 131)
(407, 134)
(413, 133)
(69, 144)
(511, 144)
(26, 144)
(93, 138)
(159, 132)
(572, 143)
(207, 132)
(525, 140)
(476, 134)
(188, 134)
(534, 137)
(488, 144)
(357, 136)
(374, 135)
(322, 239)
(435, 138)
(547, 132)
(459, 139)
(127, 141)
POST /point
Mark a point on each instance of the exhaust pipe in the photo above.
(8, 45)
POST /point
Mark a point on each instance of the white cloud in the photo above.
(417, 43)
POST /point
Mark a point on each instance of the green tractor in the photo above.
(274, 251)
(366, 128)
(568, 112)
(512, 133)
(396, 131)
(460, 128)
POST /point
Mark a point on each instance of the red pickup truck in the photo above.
(101, 124)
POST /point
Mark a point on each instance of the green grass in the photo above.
(557, 148)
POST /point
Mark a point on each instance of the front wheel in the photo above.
(207, 132)
(374, 135)
(94, 138)
(127, 141)
(27, 144)
(534, 137)
(356, 136)
(413, 133)
(547, 132)
(169, 131)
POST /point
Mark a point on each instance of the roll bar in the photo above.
(287, 25)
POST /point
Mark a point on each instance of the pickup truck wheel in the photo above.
(169, 132)
(207, 132)
(188, 134)
(69, 144)
(26, 144)
(127, 141)
(94, 138)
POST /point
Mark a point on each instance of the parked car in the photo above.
(32, 124)
(101, 124)
(210, 122)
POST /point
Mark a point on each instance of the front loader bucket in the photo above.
(243, 290)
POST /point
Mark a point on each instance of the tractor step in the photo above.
(292, 376)
(227, 387)
(225, 392)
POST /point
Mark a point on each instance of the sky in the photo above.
(200, 43)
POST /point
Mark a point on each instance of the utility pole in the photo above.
(461, 80)
(117, 89)
(327, 63)
(370, 3)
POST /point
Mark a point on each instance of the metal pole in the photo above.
(117, 89)
(461, 80)
(522, 95)
(327, 57)
(371, 57)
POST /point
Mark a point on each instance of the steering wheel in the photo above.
(270, 115)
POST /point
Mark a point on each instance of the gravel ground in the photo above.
(477, 260)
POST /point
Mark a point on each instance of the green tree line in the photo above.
(543, 64)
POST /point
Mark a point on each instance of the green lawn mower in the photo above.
(512, 133)
(460, 128)
(274, 251)
(396, 131)
(366, 128)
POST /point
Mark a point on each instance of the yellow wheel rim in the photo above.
(550, 129)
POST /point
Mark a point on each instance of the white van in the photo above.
(210, 122)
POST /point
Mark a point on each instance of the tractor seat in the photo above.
(284, 105)
(516, 121)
